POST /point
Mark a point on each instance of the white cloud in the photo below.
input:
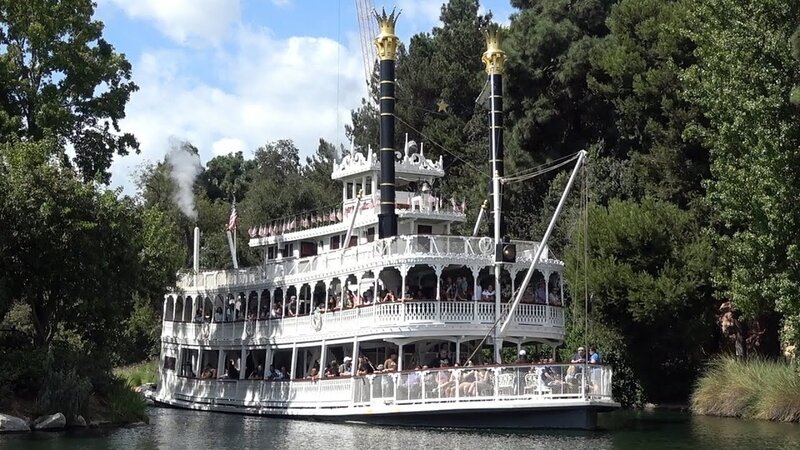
(186, 21)
(228, 145)
(281, 2)
(265, 89)
(422, 12)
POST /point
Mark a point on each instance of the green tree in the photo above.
(59, 78)
(651, 308)
(70, 251)
(743, 81)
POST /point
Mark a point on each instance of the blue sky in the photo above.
(231, 75)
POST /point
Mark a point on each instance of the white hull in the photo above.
(510, 400)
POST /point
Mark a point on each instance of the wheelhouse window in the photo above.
(424, 229)
(368, 186)
(272, 252)
(288, 251)
(353, 241)
(370, 234)
(335, 242)
(350, 191)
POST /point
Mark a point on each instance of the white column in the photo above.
(199, 363)
(243, 363)
(458, 351)
(355, 356)
(403, 273)
(561, 288)
(322, 359)
(438, 270)
(294, 362)
(547, 288)
(400, 357)
(220, 362)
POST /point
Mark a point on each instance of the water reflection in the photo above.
(172, 428)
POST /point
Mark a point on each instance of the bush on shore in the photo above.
(138, 374)
(752, 388)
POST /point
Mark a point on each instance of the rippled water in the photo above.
(172, 428)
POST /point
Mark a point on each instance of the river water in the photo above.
(172, 429)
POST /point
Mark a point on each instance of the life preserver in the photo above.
(485, 245)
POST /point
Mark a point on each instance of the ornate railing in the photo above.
(447, 387)
(477, 251)
(531, 319)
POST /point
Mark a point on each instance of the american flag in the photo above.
(233, 221)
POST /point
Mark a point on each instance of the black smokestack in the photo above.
(494, 58)
(386, 43)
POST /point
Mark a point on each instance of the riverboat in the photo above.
(374, 312)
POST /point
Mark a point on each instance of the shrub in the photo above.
(125, 405)
(754, 388)
(65, 392)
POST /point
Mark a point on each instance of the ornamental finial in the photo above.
(494, 57)
(387, 41)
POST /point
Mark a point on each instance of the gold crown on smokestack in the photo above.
(387, 41)
(494, 57)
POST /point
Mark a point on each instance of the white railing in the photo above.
(528, 319)
(448, 386)
(478, 251)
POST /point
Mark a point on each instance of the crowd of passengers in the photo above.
(442, 380)
(457, 289)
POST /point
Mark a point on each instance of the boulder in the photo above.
(52, 422)
(10, 424)
(79, 422)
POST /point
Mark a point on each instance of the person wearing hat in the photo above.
(347, 366)
(522, 357)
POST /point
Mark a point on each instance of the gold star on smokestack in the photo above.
(494, 57)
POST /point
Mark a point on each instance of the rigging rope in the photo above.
(451, 152)
(540, 170)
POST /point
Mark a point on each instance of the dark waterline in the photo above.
(173, 428)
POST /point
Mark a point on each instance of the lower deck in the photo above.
(506, 396)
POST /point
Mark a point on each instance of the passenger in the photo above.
(389, 297)
(218, 314)
(332, 370)
(231, 371)
(580, 357)
(379, 369)
(464, 288)
(442, 359)
(346, 368)
(541, 293)
(488, 294)
(522, 357)
(208, 372)
(313, 375)
(553, 297)
(450, 290)
(257, 374)
(270, 373)
(198, 316)
(390, 364)
(594, 356)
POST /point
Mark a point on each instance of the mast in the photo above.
(386, 43)
(494, 58)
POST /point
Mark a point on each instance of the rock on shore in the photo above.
(52, 422)
(9, 424)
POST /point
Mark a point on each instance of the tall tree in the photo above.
(70, 252)
(60, 78)
(743, 81)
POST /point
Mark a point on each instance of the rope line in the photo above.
(451, 152)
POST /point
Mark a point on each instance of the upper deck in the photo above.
(474, 253)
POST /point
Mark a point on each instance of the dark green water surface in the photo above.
(178, 429)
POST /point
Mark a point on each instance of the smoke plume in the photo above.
(185, 166)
